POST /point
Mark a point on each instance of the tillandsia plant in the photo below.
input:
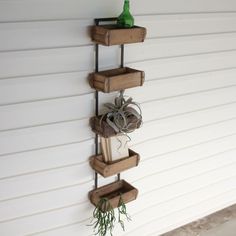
(104, 217)
(124, 116)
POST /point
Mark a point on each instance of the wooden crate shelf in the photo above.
(114, 35)
(108, 81)
(101, 127)
(109, 169)
(116, 79)
(112, 192)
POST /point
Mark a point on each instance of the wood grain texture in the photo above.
(108, 35)
(113, 192)
(116, 79)
(106, 170)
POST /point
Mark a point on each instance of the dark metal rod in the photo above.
(122, 55)
(96, 94)
(118, 177)
(98, 20)
(121, 65)
(96, 180)
(96, 57)
(96, 109)
(96, 70)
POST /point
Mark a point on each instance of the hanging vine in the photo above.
(104, 217)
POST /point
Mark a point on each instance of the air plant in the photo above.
(122, 115)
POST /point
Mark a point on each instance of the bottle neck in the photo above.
(126, 5)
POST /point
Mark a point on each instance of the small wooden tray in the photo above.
(109, 169)
(112, 192)
(116, 79)
(114, 35)
(103, 129)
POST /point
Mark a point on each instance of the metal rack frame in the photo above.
(97, 22)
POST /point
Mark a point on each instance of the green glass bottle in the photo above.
(125, 19)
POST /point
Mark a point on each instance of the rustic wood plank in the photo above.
(112, 192)
(113, 35)
(116, 79)
(109, 169)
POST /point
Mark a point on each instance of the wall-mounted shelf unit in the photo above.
(108, 81)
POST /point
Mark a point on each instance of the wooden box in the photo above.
(101, 127)
(112, 193)
(114, 35)
(109, 169)
(116, 79)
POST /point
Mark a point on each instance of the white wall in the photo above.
(187, 143)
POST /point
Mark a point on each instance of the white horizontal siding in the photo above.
(195, 212)
(175, 125)
(227, 188)
(190, 213)
(188, 138)
(66, 215)
(49, 111)
(192, 79)
(15, 10)
(74, 194)
(81, 58)
(160, 68)
(60, 217)
(72, 108)
(58, 33)
(69, 132)
(72, 174)
(44, 136)
(46, 158)
(187, 142)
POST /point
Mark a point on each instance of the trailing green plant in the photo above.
(122, 212)
(124, 116)
(104, 217)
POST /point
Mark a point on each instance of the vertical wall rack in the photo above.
(97, 22)
(108, 81)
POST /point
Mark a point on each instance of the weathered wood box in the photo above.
(116, 79)
(112, 192)
(100, 126)
(109, 169)
(114, 35)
